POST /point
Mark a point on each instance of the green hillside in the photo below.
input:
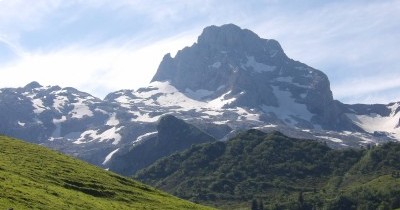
(281, 173)
(33, 177)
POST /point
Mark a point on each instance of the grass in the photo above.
(34, 177)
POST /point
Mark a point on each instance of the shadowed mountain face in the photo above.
(173, 135)
(228, 81)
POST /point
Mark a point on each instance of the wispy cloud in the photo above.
(354, 42)
(369, 89)
(345, 30)
(17, 15)
(96, 70)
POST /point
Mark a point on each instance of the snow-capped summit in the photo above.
(36, 113)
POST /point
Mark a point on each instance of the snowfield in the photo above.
(377, 123)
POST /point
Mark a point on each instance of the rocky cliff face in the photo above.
(237, 64)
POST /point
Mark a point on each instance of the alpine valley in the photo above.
(229, 81)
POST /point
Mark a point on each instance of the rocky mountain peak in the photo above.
(235, 64)
(232, 38)
(219, 52)
(171, 128)
(32, 85)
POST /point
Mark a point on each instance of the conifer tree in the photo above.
(254, 205)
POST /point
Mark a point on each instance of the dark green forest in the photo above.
(272, 171)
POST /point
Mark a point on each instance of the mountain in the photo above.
(230, 80)
(275, 169)
(173, 135)
(34, 177)
(36, 113)
(252, 72)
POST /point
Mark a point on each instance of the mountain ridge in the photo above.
(216, 85)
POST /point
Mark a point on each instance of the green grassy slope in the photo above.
(33, 177)
(276, 169)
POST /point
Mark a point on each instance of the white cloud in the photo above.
(368, 89)
(97, 71)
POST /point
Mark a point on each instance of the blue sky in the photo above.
(100, 46)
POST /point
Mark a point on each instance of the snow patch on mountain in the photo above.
(109, 156)
(394, 108)
(376, 123)
(288, 109)
(80, 109)
(87, 136)
(59, 102)
(94, 135)
(164, 93)
(139, 139)
(364, 138)
(221, 122)
(266, 126)
(246, 115)
(213, 112)
(100, 110)
(124, 101)
(143, 117)
(112, 134)
(113, 121)
(198, 94)
(221, 101)
(163, 98)
(57, 122)
(330, 138)
(38, 106)
(256, 66)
